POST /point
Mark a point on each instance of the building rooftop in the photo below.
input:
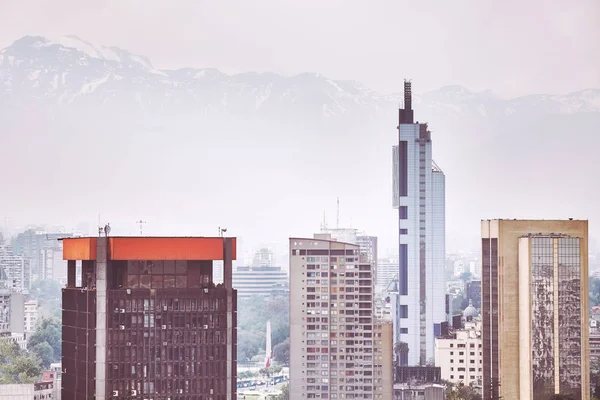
(149, 248)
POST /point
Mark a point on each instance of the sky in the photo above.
(511, 47)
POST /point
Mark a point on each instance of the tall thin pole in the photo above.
(338, 214)
(141, 226)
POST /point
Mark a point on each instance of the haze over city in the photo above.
(287, 200)
(256, 178)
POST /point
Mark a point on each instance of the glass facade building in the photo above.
(146, 320)
(419, 196)
(534, 293)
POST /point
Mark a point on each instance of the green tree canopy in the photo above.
(253, 314)
(17, 366)
(44, 352)
(281, 351)
(48, 331)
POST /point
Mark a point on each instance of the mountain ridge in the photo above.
(69, 69)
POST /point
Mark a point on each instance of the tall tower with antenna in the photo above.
(419, 196)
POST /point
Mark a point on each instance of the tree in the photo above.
(466, 277)
(17, 366)
(462, 392)
(401, 351)
(281, 352)
(285, 393)
(48, 331)
(44, 352)
(253, 314)
(49, 296)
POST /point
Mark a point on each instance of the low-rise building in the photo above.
(261, 281)
(459, 355)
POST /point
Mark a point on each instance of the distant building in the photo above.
(340, 348)
(459, 355)
(31, 245)
(15, 270)
(28, 391)
(387, 271)
(31, 314)
(263, 258)
(53, 267)
(12, 312)
(146, 311)
(473, 293)
(418, 383)
(18, 338)
(534, 309)
(260, 281)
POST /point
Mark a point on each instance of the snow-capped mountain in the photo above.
(91, 128)
(72, 72)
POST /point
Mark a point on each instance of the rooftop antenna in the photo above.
(222, 231)
(324, 223)
(141, 222)
(338, 214)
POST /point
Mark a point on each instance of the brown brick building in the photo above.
(142, 319)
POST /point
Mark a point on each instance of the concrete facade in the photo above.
(505, 308)
(339, 349)
(460, 357)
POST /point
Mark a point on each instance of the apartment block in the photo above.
(460, 356)
(146, 321)
(338, 348)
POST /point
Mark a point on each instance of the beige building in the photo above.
(460, 356)
(339, 349)
(534, 308)
(31, 315)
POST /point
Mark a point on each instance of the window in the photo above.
(403, 330)
(404, 231)
(403, 311)
(403, 212)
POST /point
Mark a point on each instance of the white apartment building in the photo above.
(460, 356)
(339, 349)
(31, 314)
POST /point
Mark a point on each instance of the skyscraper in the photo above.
(534, 309)
(419, 196)
(339, 348)
(146, 319)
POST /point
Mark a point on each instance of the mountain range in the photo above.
(75, 115)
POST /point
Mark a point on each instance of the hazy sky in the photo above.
(513, 47)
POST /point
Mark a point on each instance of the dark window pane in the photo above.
(181, 267)
(133, 281)
(181, 281)
(157, 282)
(404, 231)
(133, 267)
(145, 281)
(403, 311)
(157, 267)
(145, 267)
(169, 281)
(403, 275)
(169, 267)
(403, 212)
